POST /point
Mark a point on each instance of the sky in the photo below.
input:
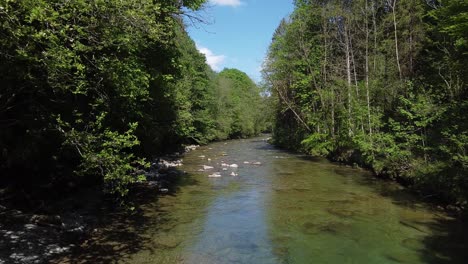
(238, 32)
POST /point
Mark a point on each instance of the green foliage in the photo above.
(78, 76)
(237, 112)
(317, 144)
(386, 88)
(106, 153)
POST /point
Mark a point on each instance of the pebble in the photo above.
(233, 165)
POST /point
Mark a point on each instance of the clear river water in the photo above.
(288, 208)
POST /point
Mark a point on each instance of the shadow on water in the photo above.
(446, 238)
(449, 244)
(441, 239)
(119, 234)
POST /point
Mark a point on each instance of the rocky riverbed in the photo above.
(29, 237)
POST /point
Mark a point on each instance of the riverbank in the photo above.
(42, 231)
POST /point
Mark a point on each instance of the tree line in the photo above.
(91, 90)
(379, 83)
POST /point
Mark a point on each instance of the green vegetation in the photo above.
(379, 83)
(238, 106)
(89, 89)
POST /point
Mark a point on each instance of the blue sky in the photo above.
(239, 32)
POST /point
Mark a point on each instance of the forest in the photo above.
(380, 84)
(115, 132)
(92, 91)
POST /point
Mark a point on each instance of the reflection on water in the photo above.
(291, 209)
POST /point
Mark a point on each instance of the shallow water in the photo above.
(290, 209)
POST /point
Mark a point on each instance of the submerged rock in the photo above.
(205, 167)
(331, 227)
(340, 212)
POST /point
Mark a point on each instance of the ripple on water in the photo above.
(340, 212)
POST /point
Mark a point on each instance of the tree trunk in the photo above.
(393, 6)
(367, 74)
(348, 74)
(374, 24)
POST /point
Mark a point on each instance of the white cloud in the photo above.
(233, 3)
(215, 61)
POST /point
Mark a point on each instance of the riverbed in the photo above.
(280, 207)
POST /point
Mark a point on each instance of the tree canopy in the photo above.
(92, 90)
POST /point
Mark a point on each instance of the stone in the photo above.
(46, 220)
(164, 190)
(30, 226)
(152, 183)
(215, 175)
(191, 147)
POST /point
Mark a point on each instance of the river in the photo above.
(288, 208)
